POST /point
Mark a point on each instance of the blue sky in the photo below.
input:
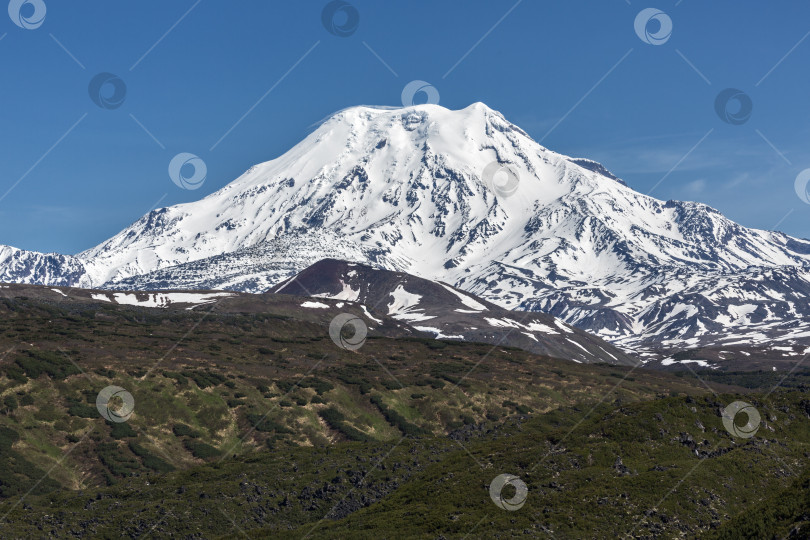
(574, 74)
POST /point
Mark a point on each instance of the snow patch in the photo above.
(436, 331)
(404, 304)
(346, 293)
(369, 315)
(314, 305)
(670, 361)
(466, 300)
(164, 300)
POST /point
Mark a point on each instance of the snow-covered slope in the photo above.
(251, 269)
(412, 190)
(448, 313)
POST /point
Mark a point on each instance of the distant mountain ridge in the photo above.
(21, 266)
(411, 190)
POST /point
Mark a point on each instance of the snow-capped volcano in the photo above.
(416, 190)
(404, 182)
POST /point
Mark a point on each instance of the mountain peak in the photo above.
(479, 106)
(361, 114)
